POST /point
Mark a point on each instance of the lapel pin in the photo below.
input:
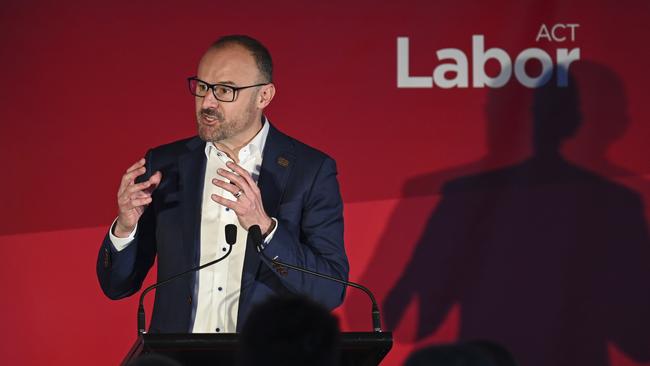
(283, 162)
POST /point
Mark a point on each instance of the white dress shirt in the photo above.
(219, 285)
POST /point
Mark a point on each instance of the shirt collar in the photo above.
(256, 145)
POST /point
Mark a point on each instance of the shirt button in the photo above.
(218, 330)
(220, 289)
(227, 209)
(223, 249)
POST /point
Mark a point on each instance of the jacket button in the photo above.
(189, 299)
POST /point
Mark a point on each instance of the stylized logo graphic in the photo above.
(458, 67)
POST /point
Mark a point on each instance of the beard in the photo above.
(224, 128)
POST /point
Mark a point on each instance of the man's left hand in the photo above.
(248, 204)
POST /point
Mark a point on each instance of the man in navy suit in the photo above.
(175, 203)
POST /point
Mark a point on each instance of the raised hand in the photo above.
(133, 198)
(248, 205)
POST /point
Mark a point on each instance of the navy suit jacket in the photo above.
(299, 188)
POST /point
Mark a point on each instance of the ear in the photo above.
(266, 94)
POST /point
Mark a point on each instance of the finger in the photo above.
(233, 205)
(129, 178)
(235, 179)
(156, 177)
(133, 174)
(138, 202)
(125, 200)
(127, 203)
(154, 180)
(242, 172)
(233, 189)
(137, 187)
(140, 194)
(138, 164)
(134, 191)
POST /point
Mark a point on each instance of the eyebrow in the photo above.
(227, 82)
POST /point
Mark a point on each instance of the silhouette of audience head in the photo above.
(289, 331)
(475, 353)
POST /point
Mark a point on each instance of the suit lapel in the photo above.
(277, 164)
(191, 170)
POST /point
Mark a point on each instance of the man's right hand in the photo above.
(133, 198)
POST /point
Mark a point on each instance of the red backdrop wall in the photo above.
(448, 218)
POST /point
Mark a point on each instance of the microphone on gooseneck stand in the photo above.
(255, 235)
(231, 238)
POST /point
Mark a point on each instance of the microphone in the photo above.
(231, 238)
(255, 234)
(231, 234)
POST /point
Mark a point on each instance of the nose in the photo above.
(209, 101)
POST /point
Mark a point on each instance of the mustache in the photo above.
(211, 112)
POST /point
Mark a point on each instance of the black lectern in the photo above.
(357, 348)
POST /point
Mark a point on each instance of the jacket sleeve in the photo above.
(315, 243)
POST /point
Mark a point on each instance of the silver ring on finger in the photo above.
(238, 194)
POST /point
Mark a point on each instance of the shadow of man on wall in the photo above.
(544, 256)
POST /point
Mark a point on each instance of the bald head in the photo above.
(260, 54)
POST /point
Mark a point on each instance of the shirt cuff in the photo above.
(268, 238)
(120, 243)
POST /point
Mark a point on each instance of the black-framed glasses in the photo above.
(222, 92)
